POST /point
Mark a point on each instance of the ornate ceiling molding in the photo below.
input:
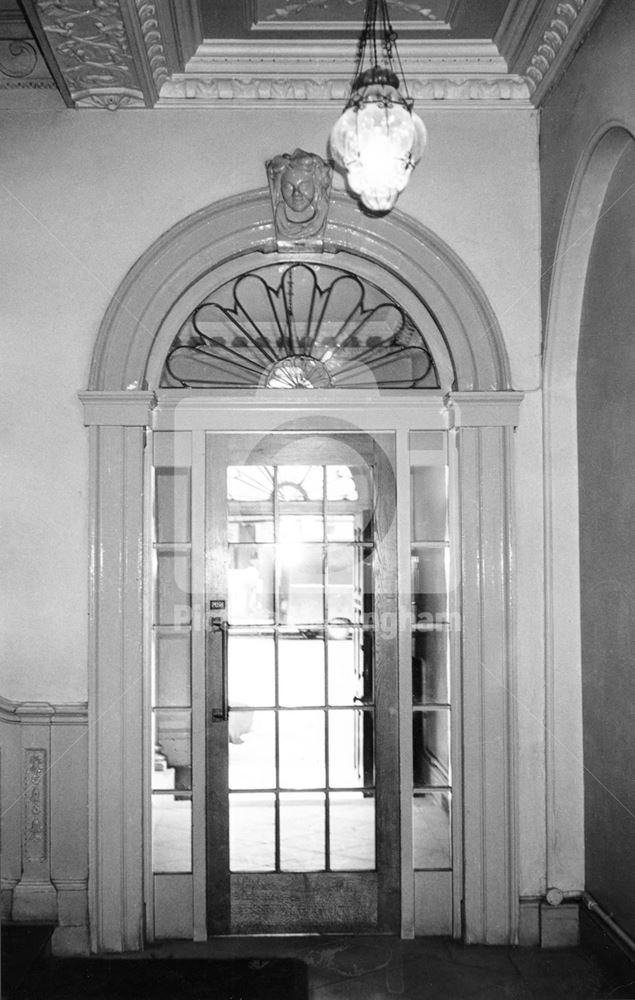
(21, 64)
(142, 53)
(320, 72)
(109, 53)
(539, 38)
(182, 90)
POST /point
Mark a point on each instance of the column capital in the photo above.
(130, 408)
(484, 409)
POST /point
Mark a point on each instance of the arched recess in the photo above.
(170, 278)
(564, 771)
(477, 405)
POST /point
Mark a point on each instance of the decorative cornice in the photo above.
(318, 71)
(552, 40)
(181, 90)
(539, 39)
(151, 33)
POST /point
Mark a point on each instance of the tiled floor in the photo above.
(385, 968)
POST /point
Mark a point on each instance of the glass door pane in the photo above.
(297, 579)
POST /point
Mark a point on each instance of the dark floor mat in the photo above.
(164, 979)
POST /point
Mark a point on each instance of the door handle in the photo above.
(220, 712)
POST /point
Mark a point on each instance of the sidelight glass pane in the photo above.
(300, 670)
(340, 528)
(173, 588)
(171, 834)
(302, 763)
(250, 584)
(431, 747)
(345, 653)
(249, 530)
(430, 663)
(302, 824)
(351, 748)
(252, 832)
(300, 528)
(172, 760)
(300, 583)
(251, 670)
(172, 672)
(431, 830)
(343, 579)
(172, 487)
(429, 584)
(429, 503)
(352, 831)
(252, 749)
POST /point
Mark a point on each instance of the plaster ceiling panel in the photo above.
(225, 19)
(329, 15)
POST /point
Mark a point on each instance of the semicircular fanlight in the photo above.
(300, 326)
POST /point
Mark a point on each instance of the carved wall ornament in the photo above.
(300, 186)
(90, 43)
(35, 805)
(18, 57)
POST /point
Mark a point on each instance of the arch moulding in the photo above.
(158, 290)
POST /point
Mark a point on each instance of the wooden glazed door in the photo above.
(301, 677)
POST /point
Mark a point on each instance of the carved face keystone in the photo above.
(298, 189)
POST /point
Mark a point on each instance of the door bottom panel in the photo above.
(302, 903)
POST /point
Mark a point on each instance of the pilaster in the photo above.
(117, 440)
(484, 425)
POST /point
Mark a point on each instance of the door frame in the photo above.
(378, 889)
(483, 429)
(137, 328)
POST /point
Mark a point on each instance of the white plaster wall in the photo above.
(580, 140)
(82, 195)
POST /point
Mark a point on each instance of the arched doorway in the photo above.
(460, 424)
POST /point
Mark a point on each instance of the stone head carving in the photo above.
(300, 185)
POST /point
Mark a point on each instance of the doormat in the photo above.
(164, 979)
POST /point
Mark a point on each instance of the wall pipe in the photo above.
(615, 929)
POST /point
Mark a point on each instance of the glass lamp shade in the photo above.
(377, 141)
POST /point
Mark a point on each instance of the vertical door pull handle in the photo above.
(221, 712)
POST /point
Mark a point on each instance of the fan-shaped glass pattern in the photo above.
(300, 326)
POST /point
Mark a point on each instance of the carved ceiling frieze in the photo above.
(103, 53)
(90, 43)
(141, 53)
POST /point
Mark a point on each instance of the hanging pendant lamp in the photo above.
(378, 139)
